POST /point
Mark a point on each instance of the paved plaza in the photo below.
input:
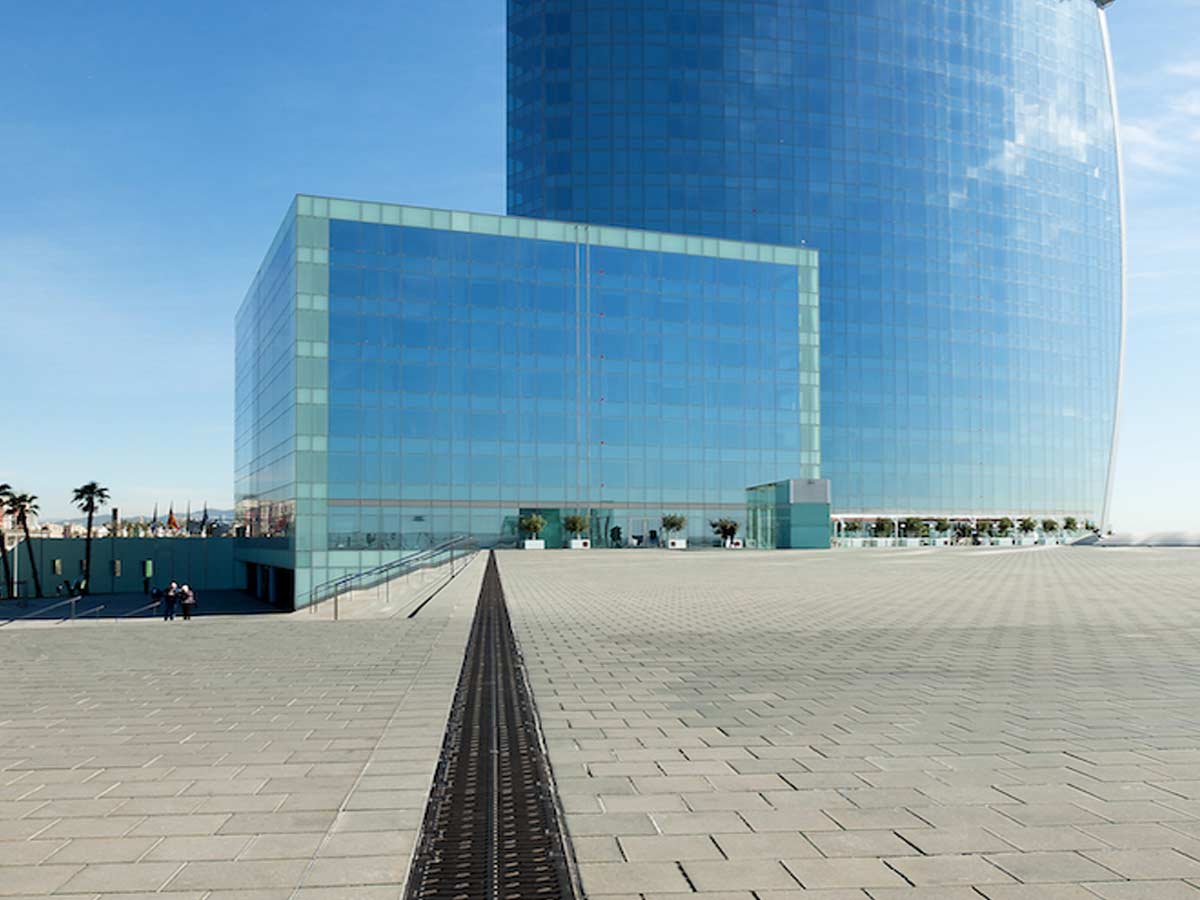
(924, 724)
(884, 724)
(231, 758)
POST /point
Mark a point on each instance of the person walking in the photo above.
(172, 597)
(187, 602)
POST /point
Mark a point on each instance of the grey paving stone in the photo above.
(768, 845)
(121, 877)
(239, 875)
(29, 880)
(1051, 867)
(733, 875)
(198, 847)
(861, 843)
(843, 873)
(1147, 863)
(1146, 890)
(691, 823)
(104, 850)
(970, 870)
(1035, 892)
(636, 877)
(941, 892)
(660, 847)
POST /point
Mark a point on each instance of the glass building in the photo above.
(405, 375)
(956, 163)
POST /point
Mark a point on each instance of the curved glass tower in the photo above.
(957, 166)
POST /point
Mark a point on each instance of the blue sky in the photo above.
(148, 152)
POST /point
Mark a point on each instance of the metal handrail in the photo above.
(39, 612)
(95, 610)
(333, 586)
(151, 605)
(384, 572)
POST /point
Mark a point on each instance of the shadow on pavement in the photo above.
(129, 606)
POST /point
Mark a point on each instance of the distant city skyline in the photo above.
(140, 181)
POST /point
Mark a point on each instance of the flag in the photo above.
(187, 528)
(172, 522)
(204, 520)
(154, 521)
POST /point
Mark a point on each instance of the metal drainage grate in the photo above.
(491, 829)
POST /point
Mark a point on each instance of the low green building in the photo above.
(789, 515)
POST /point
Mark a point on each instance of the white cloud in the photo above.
(1186, 70)
(1164, 142)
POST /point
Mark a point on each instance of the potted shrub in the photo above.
(577, 526)
(942, 529)
(914, 528)
(726, 530)
(1050, 531)
(882, 531)
(533, 525)
(672, 523)
(1004, 527)
(850, 532)
(1070, 524)
(1027, 527)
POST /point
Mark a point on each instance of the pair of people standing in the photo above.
(184, 596)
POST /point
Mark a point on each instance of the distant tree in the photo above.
(576, 524)
(533, 523)
(89, 498)
(21, 507)
(1070, 523)
(5, 493)
(672, 523)
(984, 527)
(1091, 526)
(915, 527)
(1049, 526)
(1028, 525)
(851, 527)
(726, 529)
(884, 527)
(942, 525)
(962, 529)
(1004, 526)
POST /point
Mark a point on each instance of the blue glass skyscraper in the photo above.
(957, 166)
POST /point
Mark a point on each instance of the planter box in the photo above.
(852, 541)
(535, 545)
(910, 542)
(677, 543)
(580, 544)
(1027, 541)
(1002, 542)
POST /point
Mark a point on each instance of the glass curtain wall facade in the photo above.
(957, 165)
(406, 375)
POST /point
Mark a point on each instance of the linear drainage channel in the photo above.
(491, 829)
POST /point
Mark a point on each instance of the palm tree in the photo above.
(21, 507)
(5, 493)
(89, 498)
